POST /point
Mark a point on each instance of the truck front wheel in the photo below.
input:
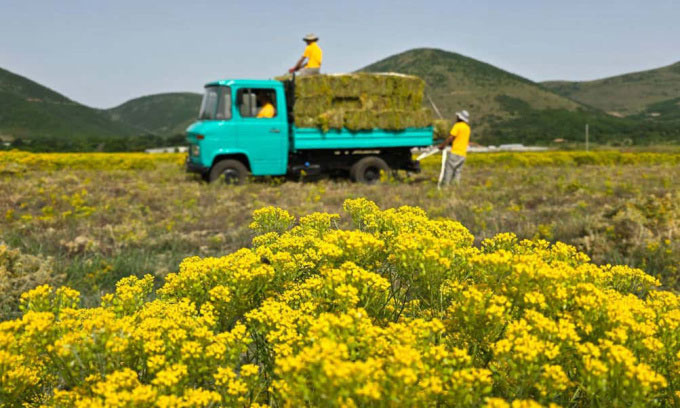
(232, 171)
(369, 169)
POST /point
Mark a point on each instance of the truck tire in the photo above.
(368, 170)
(234, 172)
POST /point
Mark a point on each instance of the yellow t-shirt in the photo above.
(314, 55)
(267, 111)
(461, 131)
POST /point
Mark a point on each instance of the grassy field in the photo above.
(89, 220)
(327, 293)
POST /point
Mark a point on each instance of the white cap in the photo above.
(464, 116)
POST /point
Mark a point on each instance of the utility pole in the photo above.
(586, 137)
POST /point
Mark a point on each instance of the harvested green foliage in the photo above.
(360, 102)
(365, 119)
(442, 127)
(353, 85)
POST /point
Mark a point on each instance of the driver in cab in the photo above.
(267, 110)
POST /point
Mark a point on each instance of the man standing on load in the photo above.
(452, 162)
(312, 54)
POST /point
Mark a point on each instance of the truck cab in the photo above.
(230, 140)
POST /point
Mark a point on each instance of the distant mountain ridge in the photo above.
(504, 107)
(34, 117)
(628, 94)
(14, 84)
(30, 110)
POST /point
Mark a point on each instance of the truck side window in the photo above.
(250, 101)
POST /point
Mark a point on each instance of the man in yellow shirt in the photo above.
(452, 162)
(312, 55)
(267, 110)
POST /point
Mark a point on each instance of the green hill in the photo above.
(163, 114)
(629, 94)
(14, 84)
(457, 82)
(34, 117)
(665, 111)
(507, 108)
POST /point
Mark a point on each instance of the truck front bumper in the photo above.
(196, 168)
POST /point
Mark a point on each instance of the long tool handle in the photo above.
(427, 154)
(435, 107)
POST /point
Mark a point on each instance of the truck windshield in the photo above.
(216, 103)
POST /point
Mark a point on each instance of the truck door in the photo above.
(262, 130)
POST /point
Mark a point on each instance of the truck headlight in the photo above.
(195, 150)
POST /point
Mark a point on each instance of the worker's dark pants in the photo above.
(452, 167)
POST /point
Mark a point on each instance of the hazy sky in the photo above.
(103, 53)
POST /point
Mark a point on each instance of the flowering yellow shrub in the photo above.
(563, 158)
(16, 161)
(402, 310)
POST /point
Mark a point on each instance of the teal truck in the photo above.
(230, 142)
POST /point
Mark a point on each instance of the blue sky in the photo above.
(103, 53)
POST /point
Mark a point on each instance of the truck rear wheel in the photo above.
(368, 170)
(233, 172)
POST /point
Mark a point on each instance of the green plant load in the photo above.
(360, 101)
(442, 128)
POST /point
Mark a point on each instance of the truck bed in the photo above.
(314, 138)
